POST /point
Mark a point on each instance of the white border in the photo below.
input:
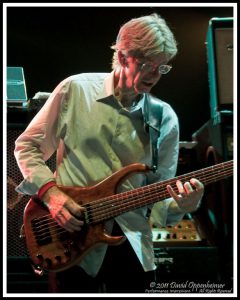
(5, 5)
(121, 4)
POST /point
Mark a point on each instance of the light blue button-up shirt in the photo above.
(94, 136)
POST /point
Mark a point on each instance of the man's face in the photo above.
(143, 74)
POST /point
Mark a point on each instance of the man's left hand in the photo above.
(190, 195)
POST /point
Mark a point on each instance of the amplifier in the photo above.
(16, 87)
(185, 233)
(16, 202)
(215, 145)
(220, 64)
(218, 133)
(184, 253)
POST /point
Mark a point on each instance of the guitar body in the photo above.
(52, 248)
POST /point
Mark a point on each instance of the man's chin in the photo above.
(143, 89)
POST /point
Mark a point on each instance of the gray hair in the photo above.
(144, 36)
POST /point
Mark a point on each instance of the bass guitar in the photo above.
(52, 248)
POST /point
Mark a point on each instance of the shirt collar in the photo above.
(108, 93)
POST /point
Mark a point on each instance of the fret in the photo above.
(106, 208)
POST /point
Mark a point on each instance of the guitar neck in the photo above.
(109, 207)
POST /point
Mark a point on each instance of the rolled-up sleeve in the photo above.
(38, 142)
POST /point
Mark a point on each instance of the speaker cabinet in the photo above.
(20, 275)
(217, 133)
(16, 202)
(215, 145)
(220, 64)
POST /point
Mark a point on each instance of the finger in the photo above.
(74, 208)
(76, 222)
(68, 222)
(172, 193)
(122, 78)
(125, 81)
(73, 226)
(188, 188)
(67, 225)
(180, 187)
(61, 220)
(72, 220)
(77, 211)
(197, 184)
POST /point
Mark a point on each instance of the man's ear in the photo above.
(122, 59)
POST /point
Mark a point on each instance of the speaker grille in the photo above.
(16, 202)
(220, 64)
(224, 64)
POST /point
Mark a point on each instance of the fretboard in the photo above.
(109, 207)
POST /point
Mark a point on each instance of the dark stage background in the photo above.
(52, 43)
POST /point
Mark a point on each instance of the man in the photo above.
(95, 121)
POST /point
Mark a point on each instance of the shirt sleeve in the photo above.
(39, 141)
(167, 166)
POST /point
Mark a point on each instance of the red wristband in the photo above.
(45, 187)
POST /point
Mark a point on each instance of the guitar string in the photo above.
(115, 207)
(60, 230)
(44, 219)
(56, 230)
(120, 203)
(147, 190)
(126, 194)
(100, 208)
(100, 203)
(156, 185)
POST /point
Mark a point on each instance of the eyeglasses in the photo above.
(148, 67)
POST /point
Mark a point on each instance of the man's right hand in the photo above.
(64, 210)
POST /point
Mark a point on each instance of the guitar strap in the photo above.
(152, 115)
